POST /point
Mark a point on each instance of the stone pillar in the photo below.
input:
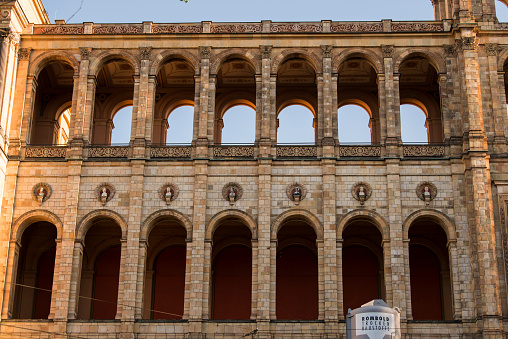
(329, 274)
(9, 287)
(143, 291)
(479, 194)
(340, 282)
(197, 292)
(498, 99)
(75, 280)
(264, 105)
(391, 104)
(327, 98)
(452, 107)
(265, 268)
(88, 121)
(140, 105)
(205, 115)
(8, 49)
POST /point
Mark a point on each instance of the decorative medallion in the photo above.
(104, 193)
(41, 192)
(232, 192)
(296, 192)
(168, 193)
(361, 191)
(426, 191)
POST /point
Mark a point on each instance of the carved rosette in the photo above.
(232, 192)
(104, 193)
(426, 191)
(168, 193)
(361, 191)
(41, 192)
(296, 192)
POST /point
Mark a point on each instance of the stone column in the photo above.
(205, 114)
(452, 113)
(263, 104)
(265, 268)
(391, 104)
(9, 287)
(142, 311)
(479, 194)
(75, 280)
(88, 114)
(9, 46)
(329, 274)
(327, 97)
(140, 105)
(498, 99)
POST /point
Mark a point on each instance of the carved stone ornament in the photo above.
(387, 51)
(450, 50)
(296, 192)
(426, 191)
(357, 27)
(160, 29)
(266, 51)
(41, 192)
(168, 193)
(468, 43)
(13, 38)
(327, 51)
(232, 192)
(24, 53)
(491, 49)
(205, 52)
(145, 52)
(361, 191)
(85, 52)
(104, 193)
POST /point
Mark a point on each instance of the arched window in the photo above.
(297, 272)
(100, 271)
(358, 101)
(419, 87)
(34, 277)
(174, 103)
(113, 95)
(362, 264)
(180, 124)
(413, 124)
(236, 89)
(231, 271)
(51, 107)
(296, 126)
(239, 125)
(296, 101)
(121, 127)
(502, 11)
(431, 296)
(354, 125)
(165, 273)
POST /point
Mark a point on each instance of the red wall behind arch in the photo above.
(45, 270)
(107, 271)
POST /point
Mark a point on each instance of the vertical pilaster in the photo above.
(140, 104)
(206, 103)
(392, 103)
(265, 110)
(327, 96)
(479, 196)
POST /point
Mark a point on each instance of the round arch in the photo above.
(376, 219)
(285, 101)
(160, 59)
(373, 58)
(46, 58)
(27, 219)
(235, 99)
(244, 54)
(439, 217)
(502, 59)
(309, 217)
(219, 217)
(357, 102)
(435, 59)
(150, 221)
(102, 59)
(87, 221)
(311, 58)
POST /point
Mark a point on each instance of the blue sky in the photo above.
(239, 120)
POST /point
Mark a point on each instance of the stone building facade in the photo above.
(272, 241)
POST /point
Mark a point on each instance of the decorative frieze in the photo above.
(172, 29)
(236, 28)
(356, 27)
(359, 151)
(170, 152)
(233, 152)
(296, 28)
(296, 151)
(118, 29)
(59, 29)
(417, 27)
(45, 152)
(108, 152)
(423, 150)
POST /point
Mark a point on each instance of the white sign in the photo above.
(375, 324)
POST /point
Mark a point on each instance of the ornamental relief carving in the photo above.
(159, 29)
(118, 29)
(491, 49)
(41, 192)
(170, 152)
(24, 53)
(236, 28)
(294, 28)
(60, 29)
(361, 191)
(417, 27)
(387, 51)
(145, 52)
(233, 151)
(296, 151)
(266, 51)
(45, 152)
(423, 151)
(296, 192)
(359, 151)
(108, 152)
(426, 191)
(85, 53)
(205, 52)
(450, 50)
(356, 27)
(327, 51)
